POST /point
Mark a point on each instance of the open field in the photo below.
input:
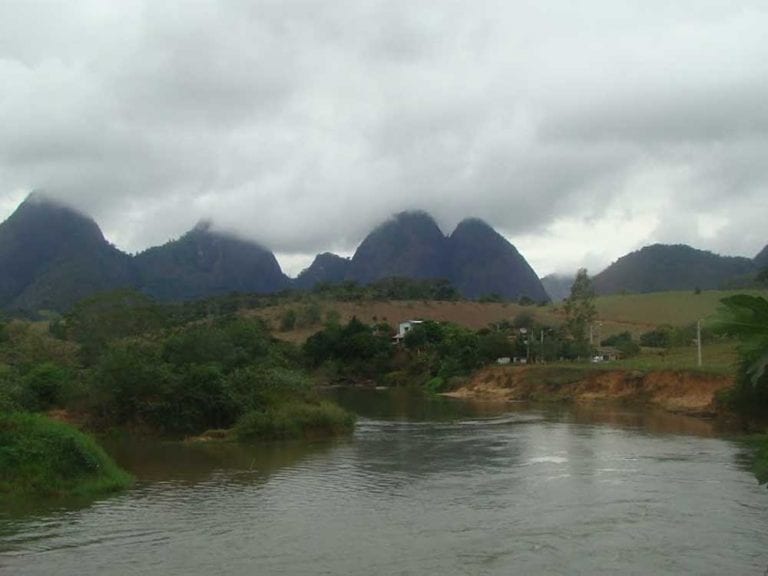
(717, 358)
(636, 313)
(675, 308)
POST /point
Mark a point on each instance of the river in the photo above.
(425, 486)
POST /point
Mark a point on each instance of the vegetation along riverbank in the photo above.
(39, 456)
(248, 369)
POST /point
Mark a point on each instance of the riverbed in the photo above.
(425, 486)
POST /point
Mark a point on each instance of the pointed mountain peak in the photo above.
(39, 200)
(415, 221)
(40, 215)
(410, 244)
(762, 258)
(484, 262)
(476, 225)
(326, 267)
(205, 225)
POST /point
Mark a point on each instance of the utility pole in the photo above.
(698, 341)
(542, 345)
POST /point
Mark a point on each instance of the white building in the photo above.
(404, 328)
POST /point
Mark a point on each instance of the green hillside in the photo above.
(674, 308)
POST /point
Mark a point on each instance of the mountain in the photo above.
(483, 262)
(558, 286)
(409, 245)
(761, 260)
(207, 263)
(52, 256)
(663, 267)
(326, 267)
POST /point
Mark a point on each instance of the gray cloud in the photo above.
(302, 124)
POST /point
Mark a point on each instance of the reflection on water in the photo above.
(429, 486)
(193, 462)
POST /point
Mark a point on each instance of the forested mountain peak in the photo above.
(204, 262)
(51, 255)
(326, 267)
(483, 262)
(662, 267)
(410, 245)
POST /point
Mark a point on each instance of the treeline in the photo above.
(435, 355)
(388, 289)
(122, 360)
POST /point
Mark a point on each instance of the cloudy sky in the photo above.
(580, 130)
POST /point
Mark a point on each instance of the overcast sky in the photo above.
(580, 130)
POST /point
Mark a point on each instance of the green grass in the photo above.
(294, 420)
(717, 358)
(39, 456)
(674, 308)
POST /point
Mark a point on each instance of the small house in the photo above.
(404, 328)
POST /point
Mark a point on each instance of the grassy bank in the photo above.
(295, 420)
(39, 456)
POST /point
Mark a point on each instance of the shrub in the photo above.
(288, 320)
(294, 420)
(45, 386)
(661, 337)
(41, 456)
(622, 342)
(436, 385)
(10, 389)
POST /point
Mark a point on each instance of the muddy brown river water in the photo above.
(425, 486)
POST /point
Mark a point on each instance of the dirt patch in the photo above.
(676, 391)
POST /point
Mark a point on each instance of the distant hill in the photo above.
(51, 256)
(482, 261)
(326, 267)
(558, 286)
(761, 260)
(207, 263)
(663, 267)
(410, 245)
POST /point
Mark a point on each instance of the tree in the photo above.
(580, 311)
(100, 319)
(288, 320)
(745, 318)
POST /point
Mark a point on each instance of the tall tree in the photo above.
(580, 311)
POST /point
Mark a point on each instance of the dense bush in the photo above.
(622, 342)
(666, 336)
(293, 420)
(357, 350)
(660, 337)
(745, 318)
(203, 376)
(40, 456)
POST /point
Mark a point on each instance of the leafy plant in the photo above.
(745, 318)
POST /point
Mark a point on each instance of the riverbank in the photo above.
(685, 392)
(43, 457)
